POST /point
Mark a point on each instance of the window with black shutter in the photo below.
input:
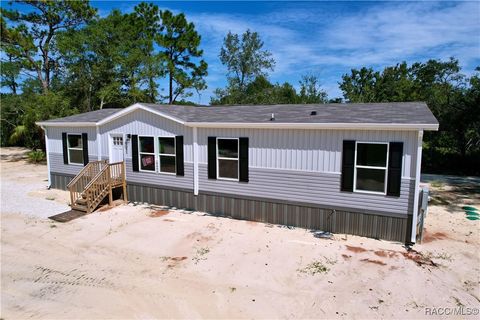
(167, 154)
(75, 145)
(227, 158)
(371, 167)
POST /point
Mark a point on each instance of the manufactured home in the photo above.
(342, 168)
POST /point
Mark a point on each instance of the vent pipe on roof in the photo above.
(313, 113)
(272, 118)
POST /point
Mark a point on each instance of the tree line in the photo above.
(60, 58)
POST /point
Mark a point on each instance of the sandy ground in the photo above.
(139, 262)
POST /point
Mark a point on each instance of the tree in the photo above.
(262, 91)
(310, 90)
(112, 61)
(359, 86)
(10, 71)
(453, 98)
(245, 60)
(148, 19)
(181, 54)
(32, 34)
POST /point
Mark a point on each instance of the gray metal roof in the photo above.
(394, 112)
(92, 116)
(371, 113)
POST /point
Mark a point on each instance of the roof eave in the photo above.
(272, 125)
(344, 126)
(65, 124)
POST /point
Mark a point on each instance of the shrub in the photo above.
(36, 156)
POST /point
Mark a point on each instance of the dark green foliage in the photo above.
(70, 61)
(181, 55)
(244, 58)
(36, 156)
(247, 75)
(111, 62)
(10, 72)
(453, 98)
(262, 91)
(30, 37)
(310, 91)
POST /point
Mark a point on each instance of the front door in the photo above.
(116, 148)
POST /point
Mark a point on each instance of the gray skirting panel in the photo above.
(376, 226)
(60, 180)
(269, 211)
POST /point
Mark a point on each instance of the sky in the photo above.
(330, 38)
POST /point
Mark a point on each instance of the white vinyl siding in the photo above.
(144, 123)
(308, 150)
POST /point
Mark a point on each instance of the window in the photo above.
(75, 149)
(167, 154)
(227, 159)
(371, 167)
(146, 153)
(117, 141)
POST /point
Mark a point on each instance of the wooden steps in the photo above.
(94, 183)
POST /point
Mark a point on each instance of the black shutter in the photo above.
(85, 148)
(212, 158)
(348, 162)
(179, 155)
(134, 152)
(243, 156)
(394, 179)
(65, 147)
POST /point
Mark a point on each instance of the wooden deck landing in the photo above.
(68, 216)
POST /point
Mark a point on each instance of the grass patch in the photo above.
(441, 256)
(437, 184)
(200, 254)
(314, 268)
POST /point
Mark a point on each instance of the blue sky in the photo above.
(329, 38)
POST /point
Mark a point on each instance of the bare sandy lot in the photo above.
(139, 262)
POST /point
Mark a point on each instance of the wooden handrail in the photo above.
(84, 171)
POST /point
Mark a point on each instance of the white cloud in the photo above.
(312, 40)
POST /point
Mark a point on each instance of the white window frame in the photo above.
(231, 159)
(148, 153)
(167, 154)
(370, 167)
(70, 148)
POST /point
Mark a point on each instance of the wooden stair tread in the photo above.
(81, 201)
(79, 208)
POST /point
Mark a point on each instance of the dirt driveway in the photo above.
(136, 262)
